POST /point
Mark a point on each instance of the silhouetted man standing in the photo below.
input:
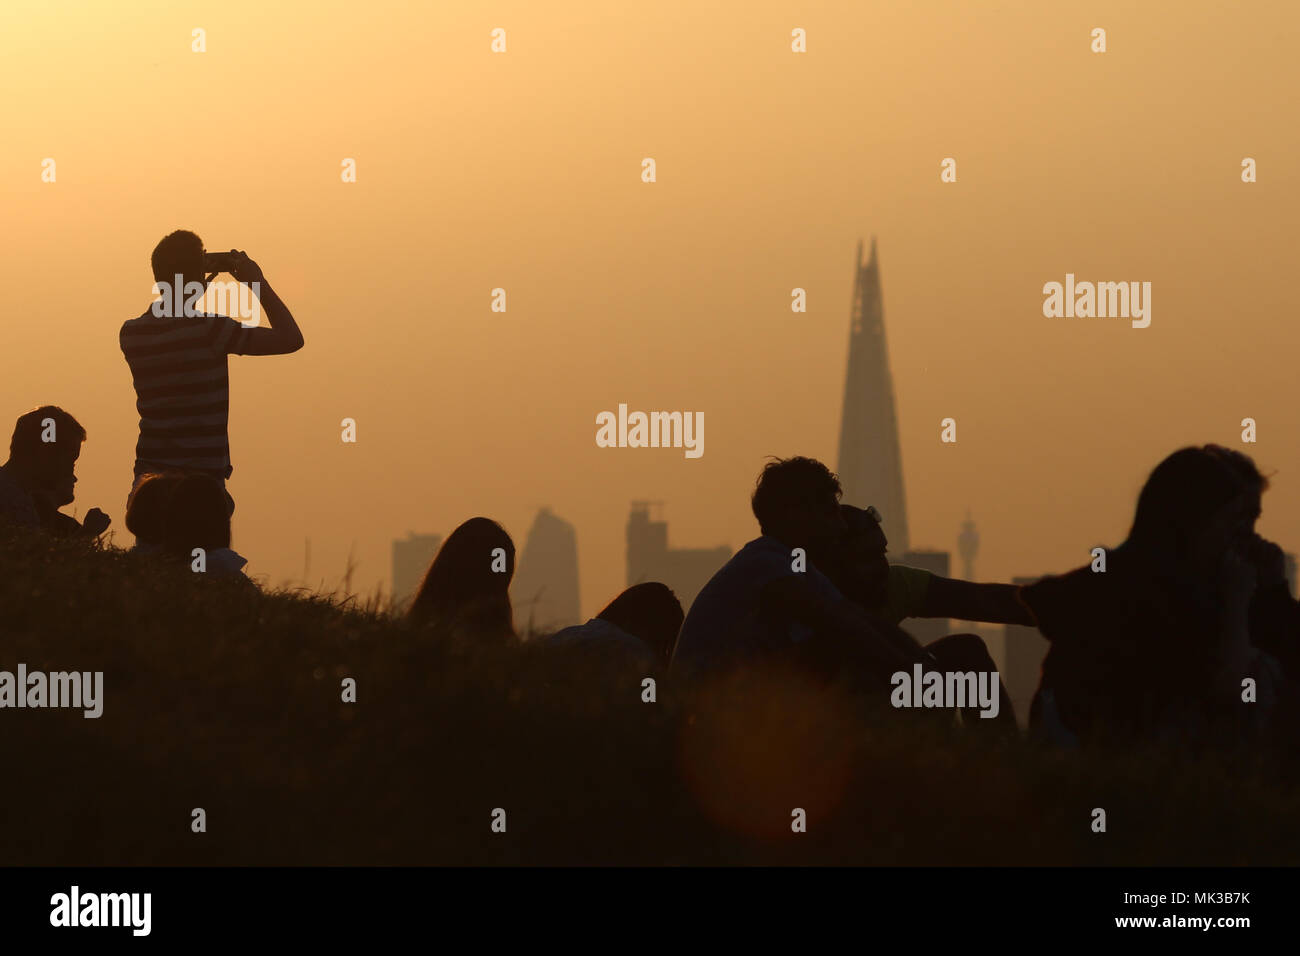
(177, 356)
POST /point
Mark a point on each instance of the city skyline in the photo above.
(674, 294)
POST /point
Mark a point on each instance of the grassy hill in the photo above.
(219, 696)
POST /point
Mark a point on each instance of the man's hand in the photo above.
(245, 269)
(96, 522)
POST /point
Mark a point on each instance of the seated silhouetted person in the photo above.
(769, 603)
(643, 620)
(857, 565)
(197, 527)
(146, 510)
(1157, 645)
(466, 592)
(40, 476)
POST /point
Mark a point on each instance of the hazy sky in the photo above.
(522, 170)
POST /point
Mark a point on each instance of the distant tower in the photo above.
(871, 463)
(968, 545)
(545, 589)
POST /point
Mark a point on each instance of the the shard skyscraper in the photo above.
(871, 463)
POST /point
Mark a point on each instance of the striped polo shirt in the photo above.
(182, 389)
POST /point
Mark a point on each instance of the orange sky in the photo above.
(522, 170)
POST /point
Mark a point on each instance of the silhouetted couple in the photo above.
(815, 592)
(1190, 632)
(465, 597)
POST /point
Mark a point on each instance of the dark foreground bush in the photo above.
(222, 697)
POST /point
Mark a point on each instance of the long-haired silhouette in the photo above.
(466, 591)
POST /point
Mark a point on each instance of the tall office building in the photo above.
(870, 460)
(544, 593)
(685, 570)
(411, 559)
(968, 545)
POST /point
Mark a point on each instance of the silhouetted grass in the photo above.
(223, 697)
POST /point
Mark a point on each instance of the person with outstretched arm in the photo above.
(858, 566)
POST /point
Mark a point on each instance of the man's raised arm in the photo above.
(283, 336)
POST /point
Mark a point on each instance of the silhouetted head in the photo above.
(467, 586)
(197, 515)
(796, 501)
(1197, 504)
(43, 453)
(179, 253)
(858, 563)
(146, 511)
(648, 611)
